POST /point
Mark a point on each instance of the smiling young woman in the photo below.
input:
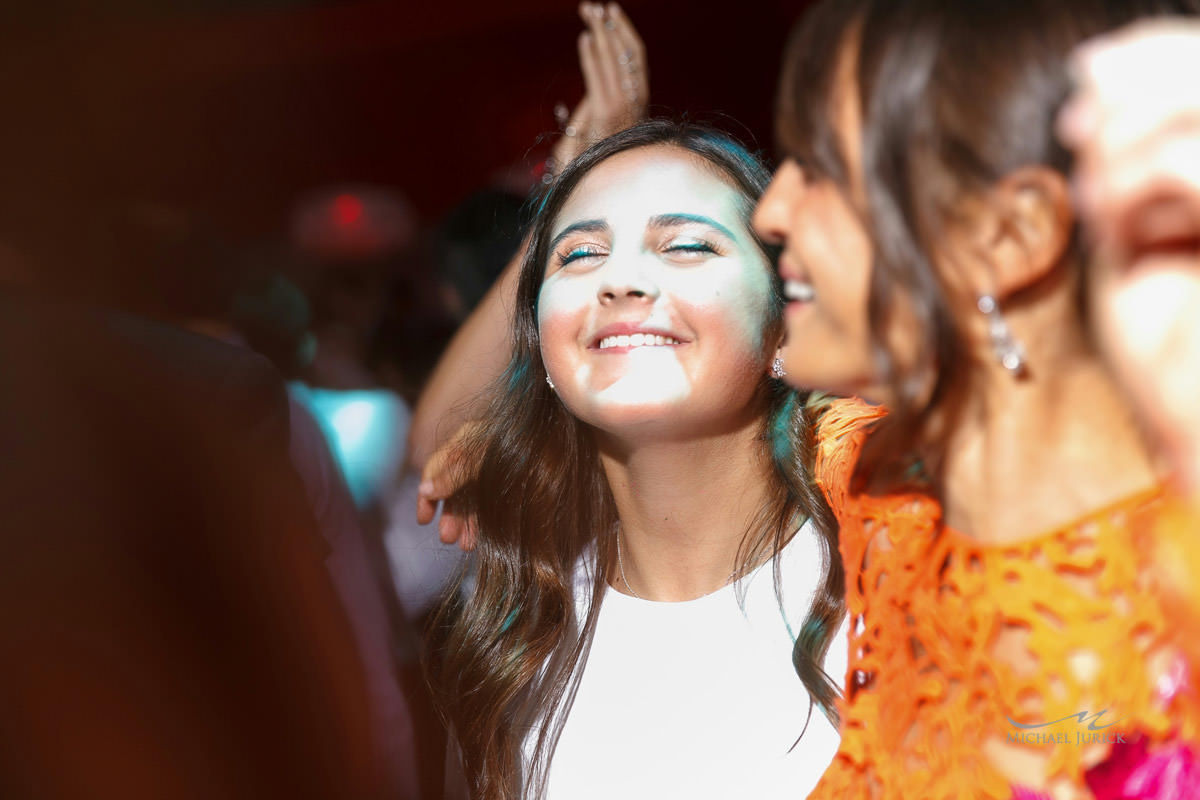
(657, 587)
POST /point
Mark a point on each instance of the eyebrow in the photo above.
(675, 220)
(585, 226)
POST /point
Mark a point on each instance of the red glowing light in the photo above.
(347, 209)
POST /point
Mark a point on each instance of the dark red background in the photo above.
(229, 108)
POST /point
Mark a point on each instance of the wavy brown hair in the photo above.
(506, 658)
(953, 96)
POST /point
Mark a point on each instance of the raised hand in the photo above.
(612, 58)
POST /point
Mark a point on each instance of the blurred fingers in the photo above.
(600, 74)
(631, 59)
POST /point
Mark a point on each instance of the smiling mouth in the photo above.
(637, 340)
(798, 291)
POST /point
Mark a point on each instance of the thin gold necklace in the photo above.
(621, 568)
(733, 574)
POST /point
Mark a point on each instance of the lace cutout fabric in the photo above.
(1176, 551)
(956, 645)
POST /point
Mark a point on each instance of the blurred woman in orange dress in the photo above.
(1008, 637)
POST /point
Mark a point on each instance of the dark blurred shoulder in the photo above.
(104, 357)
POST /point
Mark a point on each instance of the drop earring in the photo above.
(1005, 346)
(777, 370)
(550, 383)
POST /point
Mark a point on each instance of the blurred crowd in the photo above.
(274, 381)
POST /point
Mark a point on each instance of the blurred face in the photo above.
(826, 268)
(652, 310)
(825, 265)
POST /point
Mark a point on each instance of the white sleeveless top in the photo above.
(698, 699)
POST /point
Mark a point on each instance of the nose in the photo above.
(626, 280)
(774, 211)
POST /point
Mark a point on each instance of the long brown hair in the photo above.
(506, 660)
(953, 96)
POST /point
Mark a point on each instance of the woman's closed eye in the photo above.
(690, 249)
(582, 255)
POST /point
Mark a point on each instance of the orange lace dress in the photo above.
(1176, 551)
(975, 669)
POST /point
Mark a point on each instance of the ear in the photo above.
(1029, 228)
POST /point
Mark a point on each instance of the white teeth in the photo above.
(637, 340)
(798, 290)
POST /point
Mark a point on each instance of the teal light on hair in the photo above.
(813, 628)
(518, 374)
(781, 430)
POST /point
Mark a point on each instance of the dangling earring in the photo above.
(550, 383)
(1008, 350)
(777, 370)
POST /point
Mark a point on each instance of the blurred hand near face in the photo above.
(1134, 123)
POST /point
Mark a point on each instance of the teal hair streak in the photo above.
(518, 375)
(781, 430)
(781, 451)
(812, 629)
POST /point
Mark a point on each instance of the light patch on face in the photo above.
(651, 314)
(638, 379)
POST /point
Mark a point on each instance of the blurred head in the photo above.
(922, 173)
(1133, 121)
(473, 245)
(646, 297)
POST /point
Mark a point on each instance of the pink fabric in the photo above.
(1133, 772)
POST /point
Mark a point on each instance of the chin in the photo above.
(615, 419)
